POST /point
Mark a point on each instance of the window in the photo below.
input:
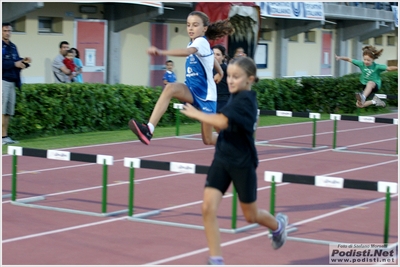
(294, 38)
(266, 35)
(309, 37)
(45, 24)
(365, 42)
(378, 40)
(19, 25)
(50, 25)
(391, 41)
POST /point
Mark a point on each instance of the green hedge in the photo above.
(53, 109)
(325, 95)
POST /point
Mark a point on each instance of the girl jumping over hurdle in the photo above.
(199, 88)
(235, 159)
(370, 76)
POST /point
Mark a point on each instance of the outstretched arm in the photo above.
(390, 68)
(217, 120)
(343, 58)
(182, 52)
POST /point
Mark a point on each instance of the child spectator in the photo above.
(69, 63)
(169, 76)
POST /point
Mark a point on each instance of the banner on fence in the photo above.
(293, 10)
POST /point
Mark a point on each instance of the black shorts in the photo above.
(373, 92)
(220, 176)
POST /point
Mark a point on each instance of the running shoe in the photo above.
(141, 131)
(361, 97)
(219, 261)
(278, 239)
(379, 102)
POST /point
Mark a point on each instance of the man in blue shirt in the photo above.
(12, 66)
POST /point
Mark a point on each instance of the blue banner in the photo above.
(293, 10)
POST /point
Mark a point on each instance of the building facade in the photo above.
(113, 38)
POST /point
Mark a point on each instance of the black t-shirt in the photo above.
(222, 87)
(235, 144)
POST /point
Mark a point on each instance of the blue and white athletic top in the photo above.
(199, 71)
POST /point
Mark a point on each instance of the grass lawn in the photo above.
(92, 138)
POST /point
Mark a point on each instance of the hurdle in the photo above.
(180, 167)
(384, 96)
(283, 113)
(366, 119)
(338, 183)
(64, 156)
(178, 107)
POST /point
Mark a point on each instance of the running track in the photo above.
(39, 237)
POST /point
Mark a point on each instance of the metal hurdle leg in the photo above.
(143, 216)
(78, 157)
(381, 186)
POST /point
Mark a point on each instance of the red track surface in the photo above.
(37, 237)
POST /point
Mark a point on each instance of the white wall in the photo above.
(44, 47)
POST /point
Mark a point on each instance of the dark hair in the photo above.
(220, 48)
(371, 51)
(248, 65)
(169, 61)
(217, 29)
(5, 24)
(70, 51)
(76, 52)
(63, 43)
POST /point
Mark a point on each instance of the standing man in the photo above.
(12, 66)
(61, 72)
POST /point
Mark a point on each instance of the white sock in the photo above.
(373, 102)
(279, 228)
(151, 127)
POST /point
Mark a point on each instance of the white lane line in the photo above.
(170, 137)
(324, 133)
(107, 144)
(191, 253)
(176, 174)
(364, 167)
(62, 230)
(182, 151)
(117, 160)
(171, 208)
(100, 186)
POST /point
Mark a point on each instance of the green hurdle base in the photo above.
(192, 226)
(142, 217)
(21, 203)
(326, 242)
(344, 149)
(26, 202)
(234, 230)
(266, 143)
